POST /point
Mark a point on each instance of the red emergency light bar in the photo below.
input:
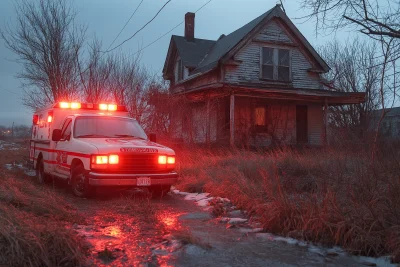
(88, 106)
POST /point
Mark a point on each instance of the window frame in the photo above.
(67, 124)
(260, 128)
(180, 70)
(276, 65)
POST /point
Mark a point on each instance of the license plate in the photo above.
(143, 181)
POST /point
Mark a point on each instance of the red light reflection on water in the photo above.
(114, 231)
(169, 219)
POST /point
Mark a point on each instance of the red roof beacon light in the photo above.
(35, 119)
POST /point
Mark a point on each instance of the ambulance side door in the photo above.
(62, 147)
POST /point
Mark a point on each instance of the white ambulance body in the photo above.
(92, 145)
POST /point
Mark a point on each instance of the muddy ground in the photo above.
(178, 233)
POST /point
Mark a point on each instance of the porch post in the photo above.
(208, 124)
(232, 120)
(326, 122)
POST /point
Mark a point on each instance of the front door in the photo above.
(301, 124)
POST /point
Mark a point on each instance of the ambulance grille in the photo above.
(138, 163)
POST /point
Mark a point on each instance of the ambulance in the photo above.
(98, 145)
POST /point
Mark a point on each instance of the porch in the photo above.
(243, 116)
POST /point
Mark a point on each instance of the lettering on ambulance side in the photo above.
(61, 157)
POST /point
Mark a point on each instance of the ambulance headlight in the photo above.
(103, 161)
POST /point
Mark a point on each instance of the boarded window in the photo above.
(275, 64)
(260, 116)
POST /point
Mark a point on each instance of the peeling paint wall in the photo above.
(249, 70)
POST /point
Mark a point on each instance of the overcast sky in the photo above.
(105, 18)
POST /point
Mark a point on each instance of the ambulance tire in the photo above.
(159, 191)
(80, 186)
(41, 177)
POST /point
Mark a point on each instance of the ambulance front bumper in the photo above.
(105, 179)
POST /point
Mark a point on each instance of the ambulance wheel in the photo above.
(40, 175)
(79, 183)
(158, 191)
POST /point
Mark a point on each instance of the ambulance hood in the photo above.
(126, 145)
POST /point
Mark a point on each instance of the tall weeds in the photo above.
(328, 196)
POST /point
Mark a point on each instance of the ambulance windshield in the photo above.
(107, 127)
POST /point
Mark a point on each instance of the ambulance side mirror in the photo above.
(153, 137)
(56, 136)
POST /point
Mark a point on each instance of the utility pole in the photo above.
(12, 131)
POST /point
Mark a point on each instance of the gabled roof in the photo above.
(214, 52)
(192, 53)
(225, 44)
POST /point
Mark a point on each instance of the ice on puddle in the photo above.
(233, 220)
(249, 230)
(316, 250)
(265, 236)
(380, 262)
(288, 240)
(196, 196)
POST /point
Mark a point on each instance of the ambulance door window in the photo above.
(66, 130)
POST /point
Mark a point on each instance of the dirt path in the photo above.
(131, 230)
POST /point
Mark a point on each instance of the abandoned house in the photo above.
(257, 86)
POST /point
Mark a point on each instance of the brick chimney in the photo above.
(189, 26)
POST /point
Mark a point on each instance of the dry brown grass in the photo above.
(328, 196)
(29, 240)
(34, 221)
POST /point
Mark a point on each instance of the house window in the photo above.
(284, 65)
(180, 70)
(267, 63)
(275, 64)
(260, 118)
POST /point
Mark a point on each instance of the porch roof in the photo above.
(331, 98)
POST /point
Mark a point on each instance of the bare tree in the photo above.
(370, 17)
(46, 42)
(376, 19)
(353, 69)
(95, 78)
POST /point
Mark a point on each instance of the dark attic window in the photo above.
(275, 64)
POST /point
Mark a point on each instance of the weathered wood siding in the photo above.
(315, 125)
(199, 123)
(273, 32)
(249, 70)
